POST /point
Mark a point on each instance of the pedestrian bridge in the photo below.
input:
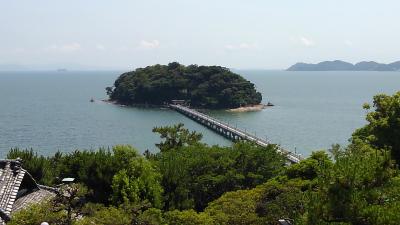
(230, 132)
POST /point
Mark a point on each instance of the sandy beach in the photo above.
(250, 108)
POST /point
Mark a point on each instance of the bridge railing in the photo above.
(223, 124)
(245, 135)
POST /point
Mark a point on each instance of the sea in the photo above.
(50, 111)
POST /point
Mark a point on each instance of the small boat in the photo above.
(91, 100)
(270, 104)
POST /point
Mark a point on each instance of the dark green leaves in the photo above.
(176, 136)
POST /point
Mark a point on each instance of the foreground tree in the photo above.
(383, 128)
(94, 169)
(265, 204)
(361, 187)
(188, 217)
(40, 167)
(36, 214)
(138, 182)
(123, 215)
(106, 216)
(176, 136)
(69, 199)
(194, 175)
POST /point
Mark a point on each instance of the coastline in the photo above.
(248, 108)
(133, 105)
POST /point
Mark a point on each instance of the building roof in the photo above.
(68, 179)
(12, 198)
(33, 197)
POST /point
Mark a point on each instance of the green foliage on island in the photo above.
(202, 86)
(189, 182)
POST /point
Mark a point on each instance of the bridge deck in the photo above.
(230, 132)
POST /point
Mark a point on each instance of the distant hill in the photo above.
(339, 65)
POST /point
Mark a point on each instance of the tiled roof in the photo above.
(33, 197)
(11, 177)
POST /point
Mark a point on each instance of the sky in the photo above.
(241, 34)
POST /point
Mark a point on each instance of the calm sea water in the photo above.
(50, 111)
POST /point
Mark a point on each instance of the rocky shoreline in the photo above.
(134, 105)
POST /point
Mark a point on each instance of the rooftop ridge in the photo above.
(11, 177)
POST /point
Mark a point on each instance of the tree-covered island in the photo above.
(203, 86)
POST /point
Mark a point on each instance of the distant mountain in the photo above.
(339, 65)
(395, 65)
(369, 66)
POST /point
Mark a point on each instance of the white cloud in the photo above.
(149, 44)
(65, 48)
(306, 41)
(348, 43)
(100, 47)
(241, 46)
(303, 41)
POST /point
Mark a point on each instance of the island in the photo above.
(208, 87)
(338, 65)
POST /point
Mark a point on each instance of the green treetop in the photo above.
(383, 128)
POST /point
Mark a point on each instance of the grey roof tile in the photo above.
(11, 177)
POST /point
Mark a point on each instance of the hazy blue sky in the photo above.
(233, 33)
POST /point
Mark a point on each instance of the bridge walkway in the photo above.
(230, 132)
